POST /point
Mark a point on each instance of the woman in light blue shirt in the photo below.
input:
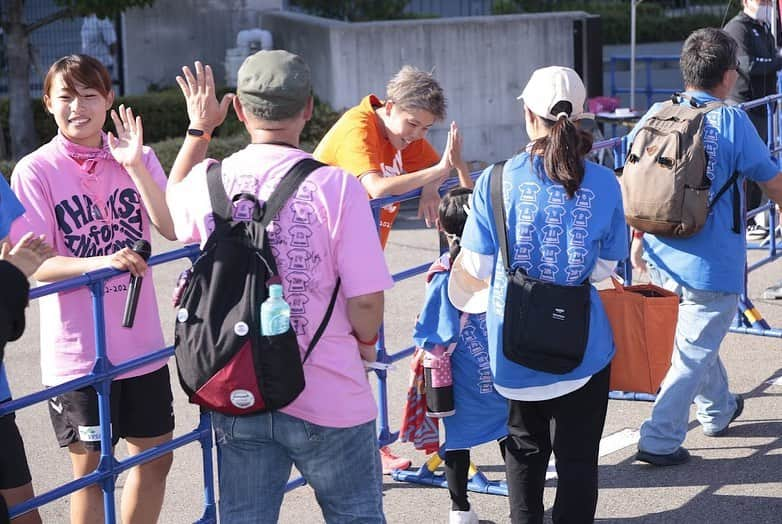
(565, 224)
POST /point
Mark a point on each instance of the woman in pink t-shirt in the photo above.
(95, 195)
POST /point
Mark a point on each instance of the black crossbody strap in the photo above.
(288, 185)
(732, 182)
(324, 322)
(221, 205)
(498, 206)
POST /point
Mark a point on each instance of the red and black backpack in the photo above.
(224, 362)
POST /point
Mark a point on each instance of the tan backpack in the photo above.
(664, 184)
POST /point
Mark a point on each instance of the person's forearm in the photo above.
(192, 152)
(59, 267)
(463, 172)
(154, 200)
(365, 314)
(379, 186)
(773, 188)
(368, 353)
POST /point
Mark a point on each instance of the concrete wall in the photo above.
(159, 40)
(482, 62)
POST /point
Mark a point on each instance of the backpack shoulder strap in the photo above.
(288, 185)
(324, 322)
(285, 189)
(733, 182)
(221, 206)
(498, 206)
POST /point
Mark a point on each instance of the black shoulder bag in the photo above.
(546, 325)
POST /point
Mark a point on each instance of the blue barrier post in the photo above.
(100, 377)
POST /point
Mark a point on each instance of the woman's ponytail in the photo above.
(563, 149)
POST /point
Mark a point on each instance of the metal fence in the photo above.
(47, 43)
(447, 8)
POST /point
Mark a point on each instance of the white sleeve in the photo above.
(107, 30)
(478, 265)
(603, 270)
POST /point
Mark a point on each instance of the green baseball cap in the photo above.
(276, 83)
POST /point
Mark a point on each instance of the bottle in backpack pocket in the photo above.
(275, 313)
(438, 382)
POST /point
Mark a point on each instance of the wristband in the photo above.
(203, 135)
(366, 342)
(638, 234)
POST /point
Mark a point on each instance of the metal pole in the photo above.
(633, 5)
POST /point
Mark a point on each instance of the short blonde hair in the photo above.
(412, 88)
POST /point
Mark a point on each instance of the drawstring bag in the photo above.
(643, 319)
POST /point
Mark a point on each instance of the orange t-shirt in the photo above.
(357, 145)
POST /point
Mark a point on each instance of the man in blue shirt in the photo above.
(706, 269)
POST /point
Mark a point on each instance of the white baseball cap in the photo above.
(550, 85)
(467, 293)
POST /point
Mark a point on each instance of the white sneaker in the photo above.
(462, 517)
(756, 232)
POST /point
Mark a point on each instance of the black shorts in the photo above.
(14, 471)
(140, 407)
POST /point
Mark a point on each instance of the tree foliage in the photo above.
(354, 10)
(17, 57)
(102, 8)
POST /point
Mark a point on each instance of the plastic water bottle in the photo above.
(275, 313)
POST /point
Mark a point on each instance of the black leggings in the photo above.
(457, 467)
(578, 419)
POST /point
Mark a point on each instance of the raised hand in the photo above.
(455, 156)
(445, 160)
(203, 109)
(126, 147)
(28, 254)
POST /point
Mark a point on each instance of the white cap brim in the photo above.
(467, 293)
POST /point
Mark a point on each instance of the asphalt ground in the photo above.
(733, 479)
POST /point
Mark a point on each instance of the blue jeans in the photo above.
(254, 458)
(696, 373)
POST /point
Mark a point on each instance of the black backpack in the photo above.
(224, 363)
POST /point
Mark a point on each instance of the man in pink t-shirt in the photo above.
(324, 232)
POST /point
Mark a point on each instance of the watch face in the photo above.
(195, 132)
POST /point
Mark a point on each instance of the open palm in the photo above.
(126, 147)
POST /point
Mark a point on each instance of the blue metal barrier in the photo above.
(749, 321)
(100, 378)
(647, 60)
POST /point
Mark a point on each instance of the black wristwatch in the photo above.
(198, 133)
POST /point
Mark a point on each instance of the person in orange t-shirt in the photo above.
(383, 143)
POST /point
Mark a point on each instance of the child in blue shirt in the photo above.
(480, 412)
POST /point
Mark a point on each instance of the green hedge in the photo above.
(165, 116)
(653, 25)
(166, 150)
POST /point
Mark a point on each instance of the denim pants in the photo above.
(254, 458)
(696, 372)
(578, 420)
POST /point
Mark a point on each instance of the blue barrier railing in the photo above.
(749, 321)
(100, 378)
(647, 61)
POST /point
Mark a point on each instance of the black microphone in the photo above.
(143, 248)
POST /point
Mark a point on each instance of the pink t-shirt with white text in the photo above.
(324, 231)
(87, 210)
